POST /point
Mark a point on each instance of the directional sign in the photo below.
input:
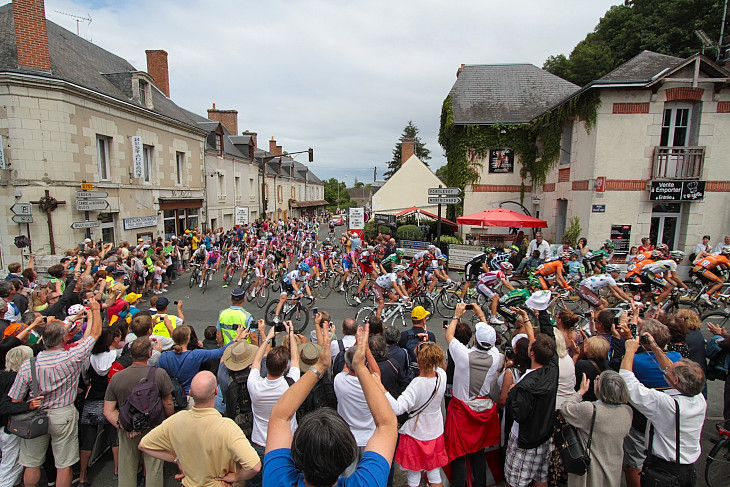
(21, 208)
(451, 200)
(91, 194)
(22, 219)
(85, 224)
(444, 191)
(91, 205)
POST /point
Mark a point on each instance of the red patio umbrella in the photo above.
(501, 217)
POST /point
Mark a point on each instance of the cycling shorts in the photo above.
(589, 296)
(211, 262)
(381, 291)
(486, 291)
(287, 288)
(651, 278)
(543, 282)
(347, 265)
(472, 271)
(709, 276)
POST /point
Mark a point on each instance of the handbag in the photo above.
(576, 459)
(33, 423)
(652, 475)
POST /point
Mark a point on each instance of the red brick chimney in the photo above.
(229, 118)
(273, 148)
(254, 141)
(407, 149)
(157, 68)
(31, 37)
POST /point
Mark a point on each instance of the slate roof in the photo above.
(300, 170)
(505, 93)
(78, 61)
(642, 67)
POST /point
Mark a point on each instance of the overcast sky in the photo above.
(343, 77)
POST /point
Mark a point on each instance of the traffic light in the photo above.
(311, 154)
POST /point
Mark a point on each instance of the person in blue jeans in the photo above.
(323, 446)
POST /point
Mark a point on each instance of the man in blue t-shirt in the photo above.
(323, 446)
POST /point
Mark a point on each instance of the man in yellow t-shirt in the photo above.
(178, 439)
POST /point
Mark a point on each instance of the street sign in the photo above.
(91, 194)
(444, 191)
(21, 208)
(22, 219)
(87, 186)
(85, 224)
(449, 200)
(356, 221)
(384, 219)
(92, 205)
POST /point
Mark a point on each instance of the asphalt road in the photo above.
(201, 310)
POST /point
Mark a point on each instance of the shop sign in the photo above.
(139, 222)
(677, 191)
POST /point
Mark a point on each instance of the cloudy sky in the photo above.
(341, 76)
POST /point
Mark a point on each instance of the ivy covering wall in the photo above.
(466, 145)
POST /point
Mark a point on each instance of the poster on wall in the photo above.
(137, 156)
(501, 161)
(241, 216)
(621, 238)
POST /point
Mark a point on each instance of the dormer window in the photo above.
(143, 87)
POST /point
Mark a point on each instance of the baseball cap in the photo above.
(238, 293)
(485, 334)
(419, 313)
(517, 338)
(131, 298)
(309, 352)
(539, 300)
(118, 272)
(162, 302)
(239, 355)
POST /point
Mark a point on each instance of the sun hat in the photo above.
(419, 313)
(239, 355)
(309, 352)
(539, 300)
(131, 298)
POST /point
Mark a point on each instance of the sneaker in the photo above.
(164, 290)
(496, 321)
(341, 289)
(224, 285)
(705, 298)
(357, 300)
(240, 282)
(201, 284)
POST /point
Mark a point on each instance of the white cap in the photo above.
(485, 334)
(539, 300)
(517, 338)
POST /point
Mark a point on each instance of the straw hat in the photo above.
(239, 355)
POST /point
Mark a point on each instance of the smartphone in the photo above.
(175, 302)
(315, 310)
(445, 324)
(469, 307)
(279, 327)
(254, 325)
(588, 314)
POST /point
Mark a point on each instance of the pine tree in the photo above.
(409, 132)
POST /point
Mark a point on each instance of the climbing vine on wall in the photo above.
(536, 143)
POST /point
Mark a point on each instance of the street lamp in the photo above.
(338, 193)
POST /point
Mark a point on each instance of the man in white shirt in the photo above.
(686, 380)
(265, 392)
(717, 249)
(539, 244)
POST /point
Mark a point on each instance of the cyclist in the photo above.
(436, 272)
(233, 261)
(213, 261)
(392, 285)
(511, 299)
(589, 288)
(263, 266)
(476, 266)
(663, 273)
(553, 267)
(598, 260)
(367, 267)
(348, 262)
(200, 256)
(291, 285)
(498, 259)
(487, 281)
(709, 270)
(392, 260)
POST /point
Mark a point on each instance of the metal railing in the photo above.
(678, 162)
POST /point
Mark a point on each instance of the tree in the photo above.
(330, 194)
(441, 173)
(663, 26)
(409, 132)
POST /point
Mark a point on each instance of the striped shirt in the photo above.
(58, 375)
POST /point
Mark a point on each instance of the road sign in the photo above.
(91, 194)
(384, 219)
(357, 218)
(87, 186)
(21, 208)
(22, 219)
(85, 224)
(91, 205)
(444, 191)
(449, 200)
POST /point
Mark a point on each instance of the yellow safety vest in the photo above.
(228, 322)
(159, 328)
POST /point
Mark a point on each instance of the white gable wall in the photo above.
(406, 188)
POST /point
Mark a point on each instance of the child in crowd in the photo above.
(633, 252)
(210, 343)
(160, 268)
(575, 268)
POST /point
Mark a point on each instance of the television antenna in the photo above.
(77, 18)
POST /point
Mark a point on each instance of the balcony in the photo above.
(678, 162)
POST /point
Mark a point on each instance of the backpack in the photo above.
(718, 360)
(411, 344)
(338, 364)
(238, 401)
(322, 395)
(142, 410)
(178, 393)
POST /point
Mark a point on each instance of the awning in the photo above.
(415, 209)
(309, 204)
(501, 217)
(178, 204)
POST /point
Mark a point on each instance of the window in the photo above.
(280, 193)
(192, 219)
(238, 187)
(143, 93)
(168, 222)
(251, 189)
(102, 156)
(107, 227)
(179, 160)
(146, 162)
(675, 125)
(566, 142)
(221, 186)
(293, 192)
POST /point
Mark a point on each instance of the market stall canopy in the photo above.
(501, 217)
(414, 209)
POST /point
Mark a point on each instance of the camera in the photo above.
(279, 327)
(445, 324)
(509, 353)
(469, 307)
(85, 302)
(588, 314)
(254, 325)
(644, 340)
(315, 310)
(175, 302)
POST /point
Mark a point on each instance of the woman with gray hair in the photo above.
(613, 421)
(10, 470)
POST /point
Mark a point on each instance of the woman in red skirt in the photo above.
(421, 442)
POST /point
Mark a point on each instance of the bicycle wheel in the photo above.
(350, 292)
(719, 318)
(717, 465)
(205, 283)
(255, 290)
(276, 284)
(364, 314)
(427, 303)
(193, 279)
(270, 312)
(262, 296)
(446, 303)
(324, 289)
(398, 319)
(299, 317)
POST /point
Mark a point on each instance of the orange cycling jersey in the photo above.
(549, 268)
(710, 262)
(641, 256)
(635, 268)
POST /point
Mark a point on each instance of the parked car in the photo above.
(337, 220)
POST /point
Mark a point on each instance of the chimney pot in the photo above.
(157, 68)
(31, 36)
(228, 118)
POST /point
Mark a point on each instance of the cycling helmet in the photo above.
(565, 255)
(443, 257)
(370, 248)
(514, 248)
(534, 281)
(270, 257)
(725, 249)
(303, 267)
(401, 252)
(550, 258)
(315, 255)
(326, 240)
(676, 255)
(365, 254)
(399, 268)
(655, 254)
(612, 268)
(358, 247)
(608, 244)
(506, 266)
(489, 250)
(431, 247)
(662, 247)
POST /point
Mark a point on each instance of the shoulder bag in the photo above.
(652, 475)
(33, 423)
(576, 458)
